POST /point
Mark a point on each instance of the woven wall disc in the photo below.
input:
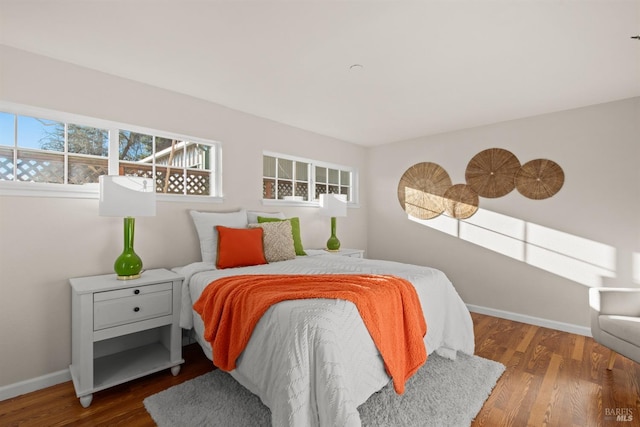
(460, 201)
(491, 173)
(421, 189)
(539, 179)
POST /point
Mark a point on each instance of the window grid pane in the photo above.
(198, 157)
(285, 189)
(164, 145)
(320, 189)
(285, 169)
(7, 129)
(88, 140)
(268, 188)
(345, 177)
(40, 166)
(302, 171)
(302, 190)
(40, 134)
(135, 146)
(6, 164)
(84, 170)
(334, 176)
(174, 155)
(198, 182)
(135, 169)
(269, 167)
(170, 180)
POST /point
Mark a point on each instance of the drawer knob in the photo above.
(137, 291)
(136, 309)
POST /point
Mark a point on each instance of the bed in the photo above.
(317, 372)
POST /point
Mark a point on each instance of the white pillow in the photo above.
(252, 216)
(206, 222)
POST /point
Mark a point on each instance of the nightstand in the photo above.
(353, 253)
(123, 330)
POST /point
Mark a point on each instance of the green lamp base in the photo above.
(333, 244)
(128, 265)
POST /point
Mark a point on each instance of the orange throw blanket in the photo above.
(389, 306)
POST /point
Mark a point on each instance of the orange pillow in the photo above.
(239, 247)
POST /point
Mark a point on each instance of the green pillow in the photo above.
(295, 230)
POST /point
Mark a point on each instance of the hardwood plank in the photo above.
(552, 378)
(578, 347)
(528, 337)
(546, 398)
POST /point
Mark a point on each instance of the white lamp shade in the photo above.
(333, 205)
(126, 196)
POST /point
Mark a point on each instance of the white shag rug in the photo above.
(442, 393)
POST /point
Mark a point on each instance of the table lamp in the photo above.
(333, 205)
(128, 197)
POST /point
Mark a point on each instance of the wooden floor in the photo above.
(552, 379)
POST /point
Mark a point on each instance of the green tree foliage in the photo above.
(82, 139)
(135, 146)
(93, 141)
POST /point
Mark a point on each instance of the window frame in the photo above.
(354, 186)
(91, 190)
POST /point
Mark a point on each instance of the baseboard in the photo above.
(546, 323)
(33, 384)
(44, 381)
(27, 386)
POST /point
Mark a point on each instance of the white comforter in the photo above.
(313, 362)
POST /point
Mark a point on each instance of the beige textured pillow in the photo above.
(278, 240)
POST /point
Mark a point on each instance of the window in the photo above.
(285, 179)
(294, 179)
(55, 148)
(332, 181)
(179, 166)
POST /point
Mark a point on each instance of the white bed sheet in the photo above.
(313, 362)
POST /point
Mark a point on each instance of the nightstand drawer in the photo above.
(113, 308)
(353, 254)
(137, 291)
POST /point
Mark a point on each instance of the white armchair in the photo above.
(615, 321)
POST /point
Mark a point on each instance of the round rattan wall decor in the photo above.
(460, 201)
(491, 173)
(421, 190)
(539, 179)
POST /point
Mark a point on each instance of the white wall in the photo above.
(45, 241)
(596, 211)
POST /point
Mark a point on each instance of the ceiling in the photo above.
(427, 66)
